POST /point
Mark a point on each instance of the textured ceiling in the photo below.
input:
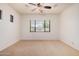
(27, 8)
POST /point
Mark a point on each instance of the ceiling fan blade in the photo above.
(39, 5)
(34, 9)
(47, 7)
(26, 5)
(32, 4)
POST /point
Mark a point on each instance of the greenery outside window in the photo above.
(39, 26)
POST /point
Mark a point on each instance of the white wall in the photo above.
(9, 32)
(27, 35)
(69, 26)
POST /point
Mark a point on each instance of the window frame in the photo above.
(35, 26)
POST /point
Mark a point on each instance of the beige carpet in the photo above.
(39, 48)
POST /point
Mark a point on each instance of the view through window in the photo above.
(40, 26)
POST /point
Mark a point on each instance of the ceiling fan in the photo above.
(40, 7)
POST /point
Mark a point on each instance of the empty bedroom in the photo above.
(39, 29)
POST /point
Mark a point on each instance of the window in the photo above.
(39, 26)
(11, 18)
